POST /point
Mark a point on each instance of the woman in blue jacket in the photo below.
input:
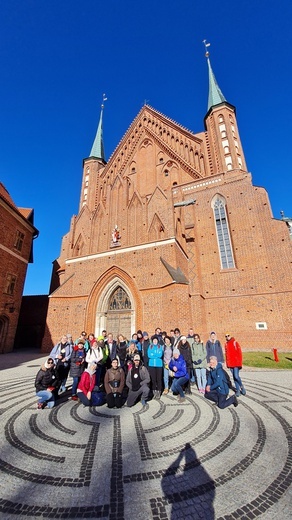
(179, 368)
(155, 366)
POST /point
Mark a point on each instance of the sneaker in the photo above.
(235, 402)
(181, 399)
(243, 390)
(40, 406)
(74, 398)
(237, 394)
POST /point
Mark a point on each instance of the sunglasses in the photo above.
(50, 362)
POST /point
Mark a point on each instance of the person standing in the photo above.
(155, 366)
(122, 345)
(181, 377)
(112, 349)
(177, 337)
(199, 358)
(214, 348)
(77, 366)
(83, 337)
(167, 355)
(233, 356)
(145, 346)
(185, 350)
(217, 389)
(61, 354)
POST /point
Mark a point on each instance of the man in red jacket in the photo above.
(233, 356)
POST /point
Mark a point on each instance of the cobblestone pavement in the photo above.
(171, 461)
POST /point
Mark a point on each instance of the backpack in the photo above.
(97, 398)
(227, 380)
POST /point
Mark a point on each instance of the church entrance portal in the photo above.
(118, 316)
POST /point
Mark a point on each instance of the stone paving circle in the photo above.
(170, 461)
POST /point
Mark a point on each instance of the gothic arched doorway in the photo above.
(116, 311)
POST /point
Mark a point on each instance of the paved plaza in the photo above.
(169, 461)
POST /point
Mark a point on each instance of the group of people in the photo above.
(117, 371)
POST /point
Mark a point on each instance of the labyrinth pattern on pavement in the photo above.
(169, 461)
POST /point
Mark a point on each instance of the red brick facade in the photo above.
(16, 236)
(219, 263)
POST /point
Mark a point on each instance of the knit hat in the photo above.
(145, 334)
(212, 333)
(137, 357)
(176, 351)
(183, 337)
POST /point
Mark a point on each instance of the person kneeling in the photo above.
(178, 365)
(137, 381)
(114, 382)
(86, 385)
(46, 385)
(217, 389)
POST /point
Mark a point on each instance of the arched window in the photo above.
(222, 230)
(119, 300)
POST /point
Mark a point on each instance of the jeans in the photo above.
(177, 385)
(220, 399)
(76, 380)
(46, 396)
(166, 377)
(84, 399)
(201, 377)
(236, 378)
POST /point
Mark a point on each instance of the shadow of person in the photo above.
(188, 487)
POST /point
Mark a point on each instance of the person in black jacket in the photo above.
(45, 384)
(77, 367)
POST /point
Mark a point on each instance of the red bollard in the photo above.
(275, 352)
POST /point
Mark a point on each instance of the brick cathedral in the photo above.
(172, 232)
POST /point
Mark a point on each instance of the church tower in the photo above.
(92, 167)
(223, 140)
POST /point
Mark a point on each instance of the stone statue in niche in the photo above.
(115, 237)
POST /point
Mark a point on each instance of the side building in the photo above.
(17, 233)
(172, 232)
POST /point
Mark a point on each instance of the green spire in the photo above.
(97, 149)
(215, 95)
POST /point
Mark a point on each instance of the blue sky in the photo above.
(57, 58)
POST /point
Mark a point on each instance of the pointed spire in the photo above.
(97, 149)
(215, 95)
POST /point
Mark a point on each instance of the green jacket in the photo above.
(199, 355)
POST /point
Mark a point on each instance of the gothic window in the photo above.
(119, 300)
(223, 236)
(18, 243)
